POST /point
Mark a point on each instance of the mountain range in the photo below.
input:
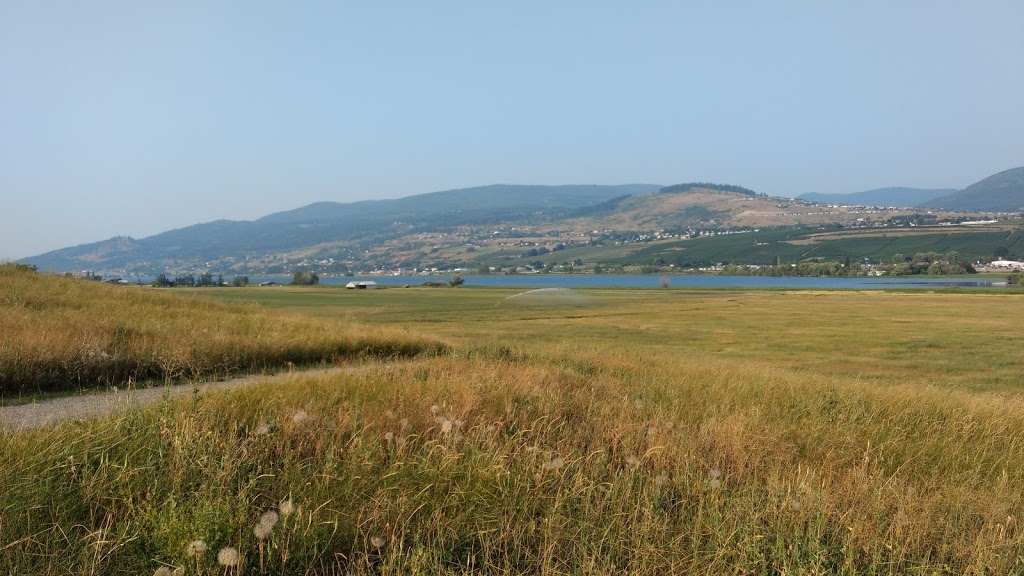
(1002, 192)
(497, 222)
(907, 197)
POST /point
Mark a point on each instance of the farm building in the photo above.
(363, 285)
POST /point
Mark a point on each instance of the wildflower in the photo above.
(196, 548)
(377, 541)
(555, 463)
(229, 556)
(660, 480)
(287, 507)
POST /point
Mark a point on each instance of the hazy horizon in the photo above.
(134, 119)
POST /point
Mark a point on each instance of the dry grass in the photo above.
(629, 451)
(62, 333)
(595, 463)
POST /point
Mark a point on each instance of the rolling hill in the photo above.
(478, 227)
(1002, 192)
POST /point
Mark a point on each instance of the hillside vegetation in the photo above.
(69, 334)
(1002, 192)
(643, 432)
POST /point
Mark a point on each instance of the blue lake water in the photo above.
(681, 281)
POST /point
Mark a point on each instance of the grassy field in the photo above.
(67, 334)
(586, 432)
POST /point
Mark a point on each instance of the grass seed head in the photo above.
(377, 541)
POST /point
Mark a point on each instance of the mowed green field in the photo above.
(563, 432)
(939, 338)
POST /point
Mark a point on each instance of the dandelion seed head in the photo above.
(196, 548)
(652, 431)
(403, 422)
(262, 430)
(299, 416)
(660, 480)
(446, 426)
(376, 541)
(262, 531)
(715, 473)
(435, 409)
(390, 415)
(632, 460)
(795, 504)
(269, 518)
(715, 483)
(229, 556)
(163, 571)
(287, 507)
(389, 436)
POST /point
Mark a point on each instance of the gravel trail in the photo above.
(93, 404)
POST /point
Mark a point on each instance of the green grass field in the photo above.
(564, 432)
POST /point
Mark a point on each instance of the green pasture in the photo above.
(963, 340)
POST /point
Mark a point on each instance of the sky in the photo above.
(133, 118)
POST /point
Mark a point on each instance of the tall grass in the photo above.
(63, 333)
(572, 461)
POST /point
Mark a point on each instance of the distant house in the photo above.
(268, 283)
(363, 285)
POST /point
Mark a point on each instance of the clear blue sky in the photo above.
(132, 118)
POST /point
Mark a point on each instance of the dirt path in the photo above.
(91, 405)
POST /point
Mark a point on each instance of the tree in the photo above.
(456, 281)
(305, 278)
(241, 281)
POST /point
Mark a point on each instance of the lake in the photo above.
(680, 281)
